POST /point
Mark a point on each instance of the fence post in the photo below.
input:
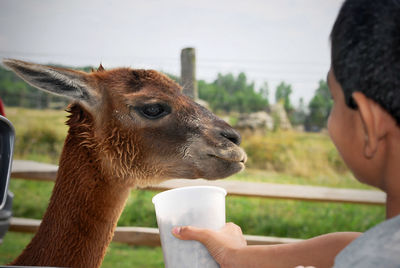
(188, 72)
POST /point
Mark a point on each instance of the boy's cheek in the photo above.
(333, 129)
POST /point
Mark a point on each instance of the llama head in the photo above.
(139, 125)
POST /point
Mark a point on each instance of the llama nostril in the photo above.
(232, 135)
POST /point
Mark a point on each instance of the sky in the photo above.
(270, 41)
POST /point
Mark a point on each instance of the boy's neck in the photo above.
(390, 175)
(392, 206)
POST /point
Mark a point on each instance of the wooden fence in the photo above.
(150, 236)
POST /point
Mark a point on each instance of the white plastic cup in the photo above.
(199, 206)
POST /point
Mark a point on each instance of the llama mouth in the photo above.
(241, 160)
(219, 164)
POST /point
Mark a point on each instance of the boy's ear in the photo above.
(65, 82)
(370, 114)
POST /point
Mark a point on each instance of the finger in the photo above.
(191, 233)
(233, 227)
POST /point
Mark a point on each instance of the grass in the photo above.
(295, 153)
(118, 255)
(345, 180)
(40, 134)
(256, 216)
(280, 157)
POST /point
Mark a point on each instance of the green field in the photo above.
(278, 157)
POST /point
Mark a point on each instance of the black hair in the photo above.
(366, 52)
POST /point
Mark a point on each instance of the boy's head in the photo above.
(366, 52)
(364, 81)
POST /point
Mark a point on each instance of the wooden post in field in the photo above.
(188, 72)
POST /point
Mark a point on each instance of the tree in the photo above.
(282, 94)
(264, 91)
(299, 114)
(229, 93)
(319, 106)
(216, 96)
(15, 92)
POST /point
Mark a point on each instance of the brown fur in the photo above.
(111, 149)
(87, 201)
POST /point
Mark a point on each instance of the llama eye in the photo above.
(154, 111)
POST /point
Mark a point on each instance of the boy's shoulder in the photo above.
(378, 247)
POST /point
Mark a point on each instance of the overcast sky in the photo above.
(269, 40)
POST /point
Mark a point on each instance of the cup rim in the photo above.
(159, 195)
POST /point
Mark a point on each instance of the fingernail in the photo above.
(176, 230)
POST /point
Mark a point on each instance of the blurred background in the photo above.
(261, 65)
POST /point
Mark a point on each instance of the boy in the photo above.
(364, 81)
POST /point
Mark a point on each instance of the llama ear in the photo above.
(101, 68)
(65, 82)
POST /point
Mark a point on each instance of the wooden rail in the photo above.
(150, 236)
(142, 236)
(37, 171)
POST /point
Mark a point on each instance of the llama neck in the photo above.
(82, 215)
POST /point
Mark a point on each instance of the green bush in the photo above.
(299, 154)
(39, 140)
(268, 153)
(40, 134)
(336, 161)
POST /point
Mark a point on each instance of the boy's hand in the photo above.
(221, 244)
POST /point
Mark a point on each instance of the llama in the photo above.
(127, 128)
